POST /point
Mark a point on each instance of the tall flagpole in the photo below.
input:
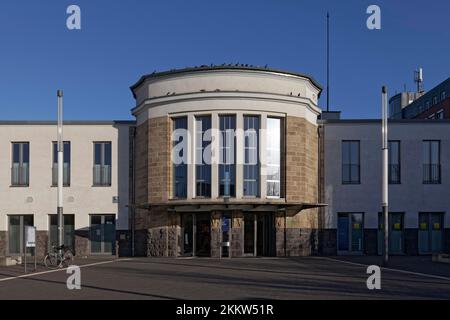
(60, 149)
(384, 130)
(328, 61)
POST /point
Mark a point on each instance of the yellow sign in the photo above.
(423, 226)
(397, 226)
(356, 226)
(436, 226)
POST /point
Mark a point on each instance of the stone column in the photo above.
(237, 234)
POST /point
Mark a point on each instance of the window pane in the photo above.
(345, 152)
(107, 155)
(25, 153)
(273, 156)
(227, 170)
(434, 159)
(354, 154)
(16, 152)
(203, 167)
(98, 153)
(66, 152)
(350, 162)
(14, 234)
(55, 152)
(180, 170)
(251, 156)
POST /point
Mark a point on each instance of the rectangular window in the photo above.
(394, 162)
(203, 161)
(179, 166)
(435, 100)
(66, 167)
(69, 231)
(251, 156)
(427, 104)
(16, 229)
(102, 163)
(443, 95)
(273, 157)
(431, 162)
(440, 114)
(350, 162)
(227, 165)
(20, 170)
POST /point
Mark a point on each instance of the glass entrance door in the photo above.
(187, 222)
(226, 235)
(396, 237)
(202, 230)
(430, 232)
(103, 234)
(265, 234)
(250, 225)
(350, 233)
(16, 229)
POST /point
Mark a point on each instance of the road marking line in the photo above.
(389, 269)
(57, 270)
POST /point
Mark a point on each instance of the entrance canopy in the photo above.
(291, 208)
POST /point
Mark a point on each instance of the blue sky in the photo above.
(121, 40)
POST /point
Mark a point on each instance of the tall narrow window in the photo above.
(431, 162)
(66, 166)
(251, 156)
(227, 167)
(179, 165)
(20, 170)
(202, 156)
(350, 162)
(273, 157)
(102, 163)
(394, 162)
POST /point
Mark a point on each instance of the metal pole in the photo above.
(384, 130)
(60, 148)
(24, 251)
(328, 61)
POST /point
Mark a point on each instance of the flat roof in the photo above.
(222, 67)
(68, 122)
(396, 121)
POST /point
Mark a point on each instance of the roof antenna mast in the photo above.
(328, 61)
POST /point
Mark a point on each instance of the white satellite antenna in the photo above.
(418, 79)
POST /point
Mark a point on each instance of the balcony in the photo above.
(66, 175)
(102, 175)
(394, 174)
(20, 175)
(431, 173)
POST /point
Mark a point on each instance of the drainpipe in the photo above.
(132, 208)
(285, 183)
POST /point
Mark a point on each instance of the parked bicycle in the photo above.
(61, 256)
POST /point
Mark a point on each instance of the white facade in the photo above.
(81, 198)
(411, 196)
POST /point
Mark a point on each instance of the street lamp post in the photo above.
(384, 150)
(60, 149)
